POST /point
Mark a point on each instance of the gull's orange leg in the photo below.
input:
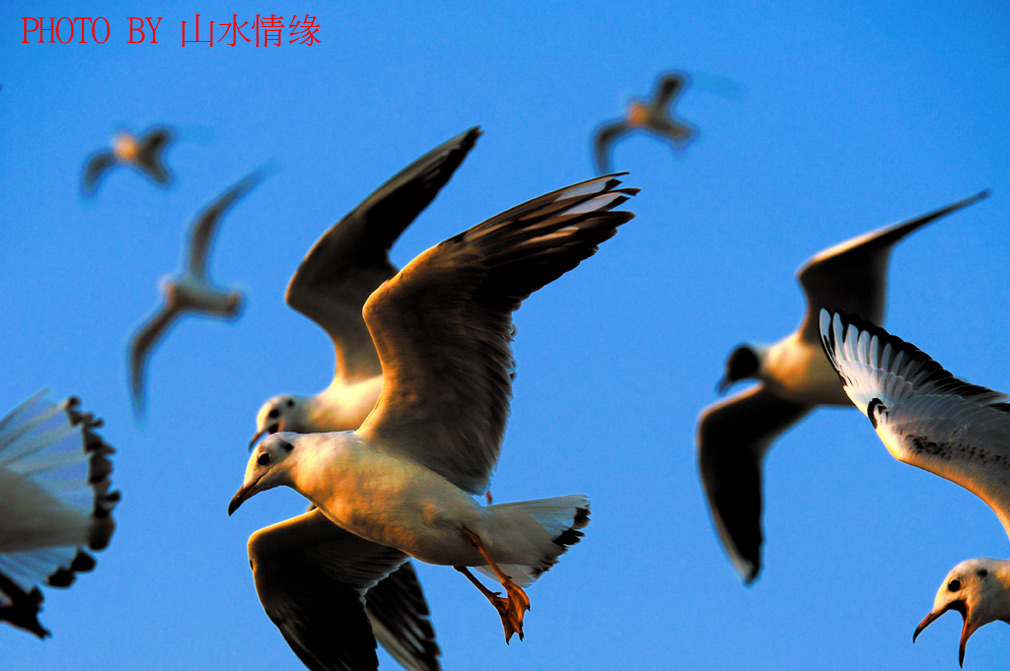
(510, 609)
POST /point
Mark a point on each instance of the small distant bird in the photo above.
(191, 291)
(653, 116)
(310, 574)
(443, 329)
(55, 503)
(143, 154)
(335, 279)
(928, 418)
(795, 378)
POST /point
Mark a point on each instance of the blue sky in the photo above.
(818, 120)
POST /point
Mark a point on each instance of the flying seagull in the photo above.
(928, 418)
(55, 503)
(653, 116)
(143, 154)
(443, 329)
(795, 378)
(335, 279)
(190, 291)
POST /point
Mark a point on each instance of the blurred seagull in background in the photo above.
(191, 291)
(653, 116)
(335, 279)
(143, 154)
(795, 378)
(55, 503)
(443, 329)
(928, 418)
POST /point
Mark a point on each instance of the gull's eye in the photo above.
(274, 413)
(264, 459)
(954, 585)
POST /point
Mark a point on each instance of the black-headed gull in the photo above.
(335, 279)
(55, 503)
(928, 418)
(652, 115)
(190, 291)
(143, 153)
(795, 378)
(443, 329)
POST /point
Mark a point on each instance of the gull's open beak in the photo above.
(252, 443)
(242, 494)
(966, 631)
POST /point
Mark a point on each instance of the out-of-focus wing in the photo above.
(351, 259)
(733, 438)
(852, 276)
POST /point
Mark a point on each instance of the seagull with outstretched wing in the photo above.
(794, 377)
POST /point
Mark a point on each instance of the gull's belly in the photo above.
(403, 505)
(802, 374)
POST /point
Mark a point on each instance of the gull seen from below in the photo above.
(55, 504)
(335, 279)
(143, 153)
(653, 116)
(928, 418)
(443, 329)
(794, 378)
(190, 291)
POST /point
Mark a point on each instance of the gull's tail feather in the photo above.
(531, 535)
(55, 502)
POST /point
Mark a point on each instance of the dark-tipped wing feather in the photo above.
(924, 415)
(351, 259)
(733, 438)
(443, 327)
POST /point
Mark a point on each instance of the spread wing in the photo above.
(351, 259)
(733, 438)
(443, 327)
(316, 583)
(97, 165)
(201, 234)
(852, 276)
(669, 87)
(603, 138)
(925, 416)
(143, 341)
(149, 154)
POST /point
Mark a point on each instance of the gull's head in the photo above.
(743, 363)
(269, 467)
(281, 413)
(978, 589)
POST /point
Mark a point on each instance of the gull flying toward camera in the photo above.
(443, 329)
(55, 504)
(653, 116)
(335, 279)
(191, 291)
(794, 377)
(144, 154)
(928, 418)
